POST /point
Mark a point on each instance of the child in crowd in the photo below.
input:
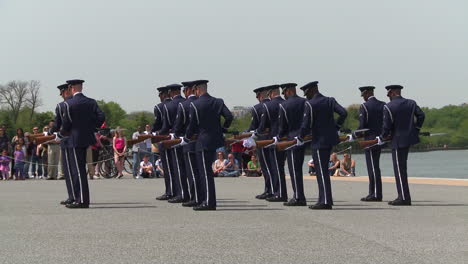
(146, 168)
(19, 162)
(4, 165)
(159, 169)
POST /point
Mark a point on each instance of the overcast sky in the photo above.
(125, 49)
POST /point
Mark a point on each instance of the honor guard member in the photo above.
(371, 117)
(180, 187)
(319, 122)
(60, 110)
(81, 120)
(270, 120)
(257, 112)
(205, 118)
(290, 126)
(189, 158)
(159, 114)
(402, 121)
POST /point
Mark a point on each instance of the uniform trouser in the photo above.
(77, 158)
(321, 159)
(207, 192)
(373, 170)
(295, 160)
(67, 173)
(265, 165)
(191, 169)
(54, 156)
(278, 177)
(180, 177)
(60, 164)
(400, 159)
(165, 161)
(89, 162)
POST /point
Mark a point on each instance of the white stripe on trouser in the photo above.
(268, 169)
(323, 179)
(193, 177)
(69, 174)
(79, 175)
(399, 175)
(206, 180)
(178, 172)
(373, 170)
(169, 170)
(294, 173)
(277, 168)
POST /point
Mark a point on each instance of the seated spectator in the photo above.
(334, 165)
(311, 167)
(253, 167)
(218, 165)
(348, 166)
(146, 168)
(231, 168)
(159, 170)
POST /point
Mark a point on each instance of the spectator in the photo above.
(149, 145)
(45, 156)
(4, 165)
(334, 165)
(348, 166)
(136, 150)
(119, 144)
(159, 170)
(53, 156)
(19, 135)
(311, 167)
(106, 140)
(4, 141)
(19, 161)
(93, 158)
(253, 167)
(237, 149)
(146, 168)
(231, 168)
(219, 163)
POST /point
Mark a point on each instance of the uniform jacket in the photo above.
(170, 114)
(60, 110)
(205, 117)
(257, 112)
(319, 121)
(402, 120)
(182, 121)
(371, 117)
(80, 121)
(290, 117)
(158, 117)
(270, 117)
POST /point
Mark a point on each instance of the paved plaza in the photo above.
(125, 224)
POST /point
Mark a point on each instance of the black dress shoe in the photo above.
(371, 199)
(294, 202)
(277, 199)
(262, 196)
(204, 207)
(398, 202)
(163, 197)
(190, 204)
(77, 205)
(321, 207)
(177, 199)
(65, 202)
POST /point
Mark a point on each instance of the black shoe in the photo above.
(163, 197)
(50, 179)
(177, 199)
(398, 202)
(77, 205)
(204, 207)
(321, 207)
(277, 199)
(65, 202)
(371, 199)
(294, 202)
(192, 203)
(262, 196)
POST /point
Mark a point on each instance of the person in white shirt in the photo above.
(136, 150)
(159, 170)
(146, 168)
(148, 144)
(311, 167)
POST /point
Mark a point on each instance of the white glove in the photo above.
(350, 138)
(249, 142)
(154, 134)
(183, 142)
(274, 143)
(299, 142)
(254, 134)
(380, 141)
(57, 138)
(172, 135)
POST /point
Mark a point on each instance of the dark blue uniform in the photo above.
(262, 154)
(158, 117)
(371, 117)
(190, 161)
(80, 122)
(290, 121)
(166, 156)
(319, 122)
(270, 120)
(402, 120)
(205, 119)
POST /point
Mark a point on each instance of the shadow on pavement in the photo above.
(243, 205)
(250, 209)
(123, 207)
(439, 204)
(115, 203)
(364, 209)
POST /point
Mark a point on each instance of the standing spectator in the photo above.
(311, 167)
(348, 166)
(231, 169)
(119, 144)
(237, 149)
(219, 163)
(53, 157)
(136, 150)
(19, 162)
(146, 168)
(253, 167)
(4, 165)
(149, 145)
(41, 152)
(4, 141)
(45, 156)
(333, 164)
(106, 139)
(159, 170)
(19, 135)
(94, 158)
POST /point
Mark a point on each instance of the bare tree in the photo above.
(33, 98)
(14, 95)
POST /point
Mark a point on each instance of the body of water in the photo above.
(433, 164)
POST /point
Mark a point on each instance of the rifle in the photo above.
(167, 144)
(285, 145)
(373, 142)
(43, 139)
(154, 138)
(266, 142)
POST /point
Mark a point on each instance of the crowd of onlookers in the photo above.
(344, 168)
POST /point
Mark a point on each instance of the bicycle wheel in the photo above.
(128, 166)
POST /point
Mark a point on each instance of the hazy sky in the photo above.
(125, 49)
